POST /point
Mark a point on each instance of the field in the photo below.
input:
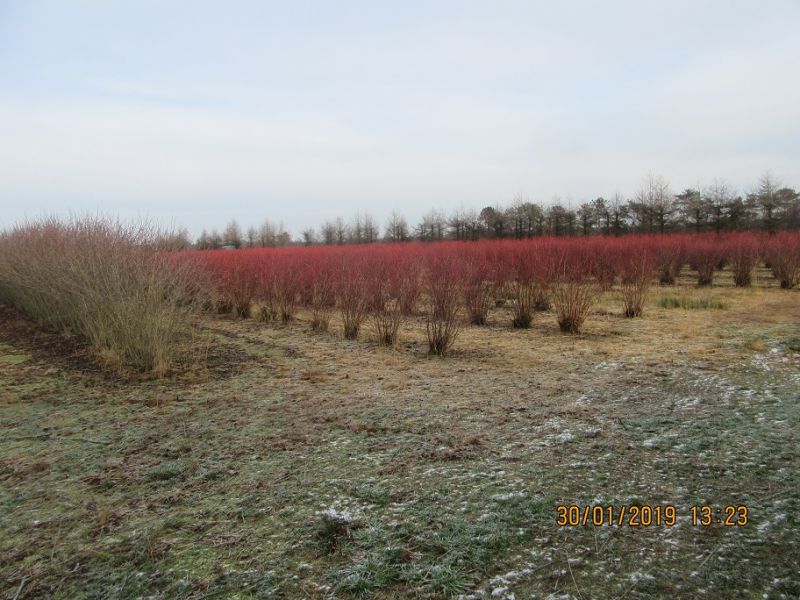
(300, 464)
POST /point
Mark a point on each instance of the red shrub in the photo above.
(524, 285)
(287, 285)
(386, 287)
(705, 253)
(319, 290)
(388, 281)
(407, 268)
(352, 293)
(443, 286)
(575, 288)
(635, 263)
(782, 253)
(741, 251)
(480, 283)
(671, 255)
(236, 287)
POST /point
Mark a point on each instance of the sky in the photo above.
(191, 113)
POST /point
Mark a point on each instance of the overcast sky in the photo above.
(196, 112)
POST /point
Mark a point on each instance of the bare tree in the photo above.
(652, 206)
(232, 235)
(718, 200)
(586, 218)
(766, 198)
(251, 236)
(495, 221)
(203, 241)
(396, 229)
(457, 224)
(558, 219)
(340, 231)
(328, 233)
(693, 208)
(619, 214)
(356, 230)
(309, 237)
(432, 227)
(272, 234)
(369, 233)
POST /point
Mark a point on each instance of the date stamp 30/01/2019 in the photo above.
(650, 515)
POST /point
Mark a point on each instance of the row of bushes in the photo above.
(388, 282)
(102, 280)
(110, 283)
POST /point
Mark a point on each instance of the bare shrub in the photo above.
(234, 287)
(671, 257)
(352, 294)
(574, 289)
(386, 288)
(524, 303)
(480, 283)
(573, 299)
(443, 284)
(636, 263)
(388, 319)
(408, 278)
(541, 299)
(742, 253)
(286, 289)
(525, 286)
(705, 255)
(321, 294)
(105, 281)
(782, 253)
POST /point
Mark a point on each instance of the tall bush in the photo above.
(782, 253)
(352, 293)
(635, 263)
(443, 286)
(105, 281)
(741, 251)
(575, 288)
(480, 282)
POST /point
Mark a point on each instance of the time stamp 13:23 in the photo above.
(647, 515)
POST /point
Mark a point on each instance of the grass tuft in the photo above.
(687, 303)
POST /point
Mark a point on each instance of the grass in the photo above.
(328, 467)
(687, 303)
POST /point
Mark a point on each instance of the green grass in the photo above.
(689, 303)
(13, 359)
(793, 343)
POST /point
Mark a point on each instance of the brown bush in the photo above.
(573, 299)
(524, 303)
(104, 281)
(541, 299)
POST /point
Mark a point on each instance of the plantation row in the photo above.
(387, 283)
(134, 304)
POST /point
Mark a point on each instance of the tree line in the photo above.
(654, 208)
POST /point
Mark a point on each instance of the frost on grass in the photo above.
(334, 524)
